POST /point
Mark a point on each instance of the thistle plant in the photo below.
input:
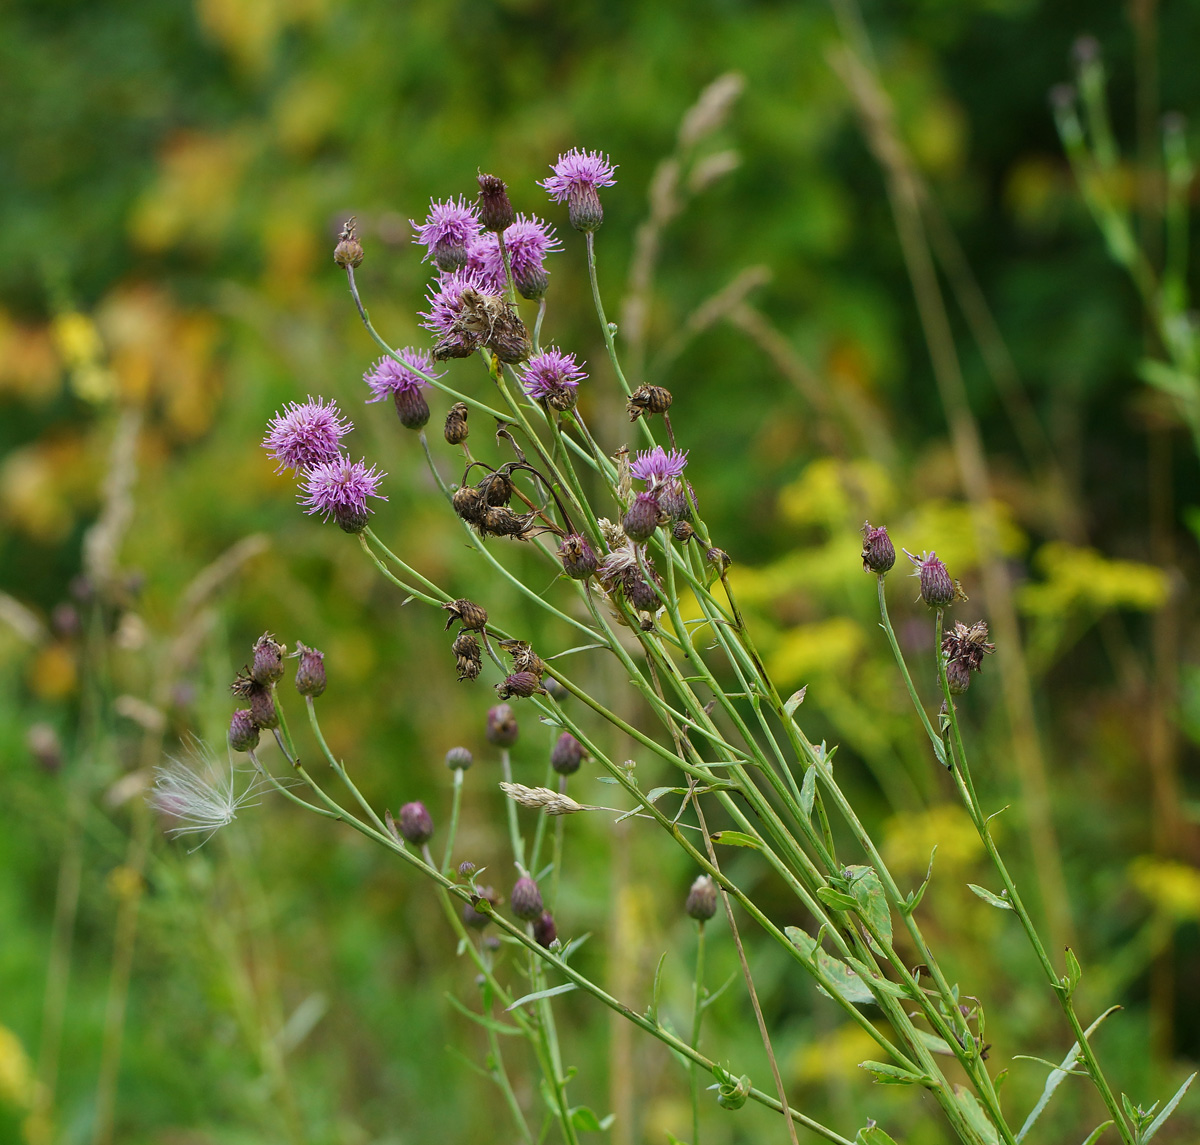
(637, 577)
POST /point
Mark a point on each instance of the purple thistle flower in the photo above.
(577, 175)
(388, 377)
(656, 466)
(445, 303)
(305, 435)
(340, 489)
(447, 233)
(553, 377)
(528, 241)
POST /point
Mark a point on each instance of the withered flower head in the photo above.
(522, 684)
(455, 430)
(467, 613)
(348, 252)
(267, 666)
(647, 400)
(577, 556)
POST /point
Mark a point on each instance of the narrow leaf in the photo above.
(565, 988)
(1156, 1124)
(914, 900)
(1074, 972)
(934, 1044)
(1094, 1136)
(657, 793)
(976, 1117)
(988, 897)
(794, 700)
(836, 899)
(585, 1119)
(735, 839)
(653, 1015)
(482, 1019)
(886, 1074)
(1057, 1074)
(808, 790)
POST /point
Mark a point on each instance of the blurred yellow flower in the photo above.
(909, 839)
(836, 1055)
(16, 1071)
(1172, 887)
(811, 650)
(837, 494)
(948, 528)
(1082, 578)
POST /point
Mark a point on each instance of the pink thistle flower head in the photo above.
(445, 303)
(553, 377)
(657, 466)
(305, 434)
(389, 377)
(447, 232)
(576, 179)
(527, 241)
(339, 489)
(938, 589)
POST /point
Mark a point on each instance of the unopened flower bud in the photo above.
(467, 613)
(719, 559)
(531, 280)
(262, 708)
(522, 684)
(526, 901)
(495, 211)
(267, 666)
(455, 431)
(937, 587)
(466, 869)
(673, 501)
(958, 676)
(411, 407)
(349, 251)
(243, 731)
(578, 557)
(641, 520)
(648, 400)
(640, 593)
(702, 899)
(878, 552)
(458, 759)
(476, 918)
(415, 823)
(566, 755)
(682, 531)
(502, 727)
(545, 933)
(310, 672)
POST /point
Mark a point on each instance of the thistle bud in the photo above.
(958, 676)
(455, 431)
(522, 684)
(310, 672)
(466, 869)
(577, 556)
(641, 520)
(350, 518)
(640, 594)
(411, 408)
(566, 755)
(415, 823)
(502, 730)
(526, 900)
(243, 731)
(702, 899)
(475, 918)
(682, 531)
(495, 211)
(349, 252)
(719, 559)
(673, 501)
(262, 708)
(531, 280)
(937, 587)
(647, 400)
(545, 933)
(267, 666)
(878, 552)
(458, 759)
(467, 613)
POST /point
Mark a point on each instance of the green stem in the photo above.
(452, 830)
(510, 807)
(697, 1014)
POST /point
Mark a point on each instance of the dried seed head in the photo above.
(243, 731)
(566, 755)
(523, 657)
(267, 666)
(545, 933)
(502, 727)
(495, 210)
(643, 517)
(497, 488)
(458, 759)
(719, 559)
(577, 556)
(937, 587)
(526, 899)
(648, 400)
(349, 251)
(702, 899)
(964, 649)
(522, 684)
(310, 672)
(412, 408)
(510, 340)
(455, 430)
(500, 521)
(468, 656)
(478, 912)
(467, 613)
(415, 823)
(682, 531)
(469, 504)
(878, 552)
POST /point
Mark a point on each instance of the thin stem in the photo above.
(339, 767)
(510, 806)
(452, 830)
(698, 992)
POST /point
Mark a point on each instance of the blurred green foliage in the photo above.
(173, 177)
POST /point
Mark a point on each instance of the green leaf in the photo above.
(872, 902)
(876, 981)
(808, 790)
(1094, 1136)
(976, 1117)
(735, 839)
(1074, 972)
(565, 988)
(482, 1019)
(657, 793)
(794, 700)
(914, 900)
(872, 1135)
(849, 986)
(653, 1014)
(988, 897)
(934, 1044)
(886, 1074)
(585, 1120)
(1156, 1124)
(606, 779)
(939, 749)
(837, 899)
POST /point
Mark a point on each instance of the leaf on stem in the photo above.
(565, 988)
(886, 1074)
(482, 1019)
(1074, 973)
(988, 897)
(837, 899)
(1157, 1123)
(585, 1120)
(975, 1115)
(845, 981)
(914, 900)
(794, 700)
(808, 790)
(872, 902)
(872, 1135)
(735, 839)
(1094, 1136)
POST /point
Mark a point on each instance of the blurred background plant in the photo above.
(876, 289)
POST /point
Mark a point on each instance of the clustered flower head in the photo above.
(657, 466)
(577, 177)
(339, 489)
(447, 233)
(552, 377)
(305, 434)
(528, 241)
